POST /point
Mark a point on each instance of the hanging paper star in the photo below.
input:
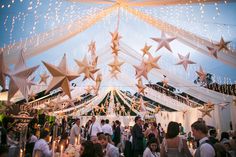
(141, 70)
(157, 109)
(213, 51)
(140, 86)
(61, 76)
(88, 89)
(146, 49)
(18, 78)
(223, 105)
(86, 68)
(115, 37)
(92, 48)
(206, 111)
(184, 60)
(152, 62)
(115, 49)
(210, 105)
(115, 65)
(3, 70)
(32, 96)
(163, 41)
(43, 78)
(222, 45)
(201, 74)
(79, 98)
(114, 74)
(69, 103)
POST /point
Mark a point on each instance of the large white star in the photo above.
(184, 60)
(61, 76)
(19, 78)
(163, 41)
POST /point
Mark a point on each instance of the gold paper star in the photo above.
(115, 65)
(184, 60)
(115, 36)
(213, 51)
(146, 49)
(61, 76)
(152, 62)
(206, 111)
(88, 89)
(31, 83)
(140, 86)
(43, 78)
(201, 74)
(32, 96)
(115, 49)
(18, 78)
(157, 109)
(163, 41)
(210, 105)
(222, 45)
(86, 68)
(92, 47)
(141, 70)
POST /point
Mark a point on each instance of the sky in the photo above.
(21, 19)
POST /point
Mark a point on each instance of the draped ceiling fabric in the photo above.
(47, 40)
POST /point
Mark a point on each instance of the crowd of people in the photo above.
(110, 139)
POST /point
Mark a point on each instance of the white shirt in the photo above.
(148, 153)
(74, 132)
(96, 128)
(107, 129)
(206, 150)
(33, 139)
(43, 146)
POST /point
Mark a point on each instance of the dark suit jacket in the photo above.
(137, 136)
(117, 135)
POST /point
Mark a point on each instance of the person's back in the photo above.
(173, 147)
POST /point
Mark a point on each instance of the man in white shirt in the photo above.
(108, 149)
(94, 129)
(200, 131)
(41, 146)
(75, 132)
(106, 128)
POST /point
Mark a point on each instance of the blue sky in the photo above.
(33, 17)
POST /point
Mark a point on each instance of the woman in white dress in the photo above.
(153, 148)
(174, 145)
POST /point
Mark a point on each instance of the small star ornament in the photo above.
(140, 86)
(184, 60)
(206, 111)
(146, 49)
(141, 70)
(222, 45)
(201, 74)
(43, 78)
(164, 41)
